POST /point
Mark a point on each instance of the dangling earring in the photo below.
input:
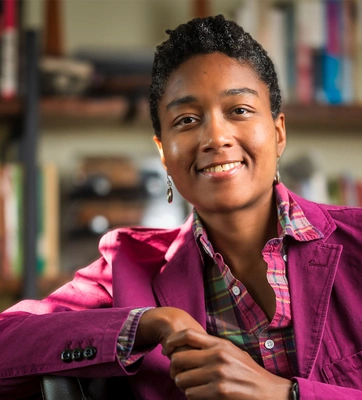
(277, 173)
(169, 190)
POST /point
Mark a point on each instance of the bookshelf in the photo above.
(42, 114)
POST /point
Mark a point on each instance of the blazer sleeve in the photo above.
(46, 337)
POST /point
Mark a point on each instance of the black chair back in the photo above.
(71, 388)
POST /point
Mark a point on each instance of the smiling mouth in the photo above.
(222, 167)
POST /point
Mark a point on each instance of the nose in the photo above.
(215, 134)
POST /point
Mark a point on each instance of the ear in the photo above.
(160, 150)
(281, 134)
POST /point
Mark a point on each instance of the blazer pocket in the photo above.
(346, 372)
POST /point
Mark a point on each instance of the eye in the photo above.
(185, 121)
(240, 111)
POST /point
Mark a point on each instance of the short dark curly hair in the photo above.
(205, 36)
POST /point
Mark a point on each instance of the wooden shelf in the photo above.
(78, 111)
(115, 109)
(59, 107)
(324, 117)
(10, 108)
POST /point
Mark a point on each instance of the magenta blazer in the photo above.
(142, 267)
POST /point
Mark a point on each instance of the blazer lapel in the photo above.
(180, 282)
(311, 272)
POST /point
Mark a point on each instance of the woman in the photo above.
(255, 296)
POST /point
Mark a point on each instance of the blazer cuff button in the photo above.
(66, 356)
(77, 354)
(89, 352)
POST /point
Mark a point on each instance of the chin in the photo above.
(221, 207)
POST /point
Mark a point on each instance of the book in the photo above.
(11, 221)
(349, 49)
(48, 222)
(12, 192)
(273, 39)
(9, 50)
(290, 39)
(357, 78)
(304, 54)
(51, 224)
(332, 67)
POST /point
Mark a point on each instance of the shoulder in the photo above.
(139, 237)
(340, 216)
(336, 211)
(145, 245)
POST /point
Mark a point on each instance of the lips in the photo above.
(221, 167)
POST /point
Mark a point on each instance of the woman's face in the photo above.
(219, 142)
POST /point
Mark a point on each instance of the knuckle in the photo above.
(221, 355)
(221, 389)
(187, 333)
(219, 375)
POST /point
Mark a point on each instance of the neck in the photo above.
(241, 235)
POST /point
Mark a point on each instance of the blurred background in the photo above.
(76, 150)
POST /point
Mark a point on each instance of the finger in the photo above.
(185, 360)
(198, 393)
(188, 337)
(168, 351)
(214, 391)
(193, 378)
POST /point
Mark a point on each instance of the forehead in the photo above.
(213, 72)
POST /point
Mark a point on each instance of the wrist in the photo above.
(146, 333)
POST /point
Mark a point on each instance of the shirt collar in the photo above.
(291, 221)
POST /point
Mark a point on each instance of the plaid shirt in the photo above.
(231, 311)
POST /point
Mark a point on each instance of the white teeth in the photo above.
(222, 167)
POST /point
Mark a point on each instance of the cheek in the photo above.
(264, 141)
(174, 156)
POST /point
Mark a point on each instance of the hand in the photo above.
(210, 368)
(157, 324)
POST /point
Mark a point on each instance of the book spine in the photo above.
(332, 70)
(304, 55)
(9, 51)
(51, 220)
(12, 185)
(358, 55)
(290, 34)
(349, 36)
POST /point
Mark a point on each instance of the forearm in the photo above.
(33, 344)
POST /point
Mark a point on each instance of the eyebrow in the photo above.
(181, 100)
(244, 90)
(230, 92)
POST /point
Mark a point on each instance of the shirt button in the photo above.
(269, 344)
(236, 290)
(285, 258)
